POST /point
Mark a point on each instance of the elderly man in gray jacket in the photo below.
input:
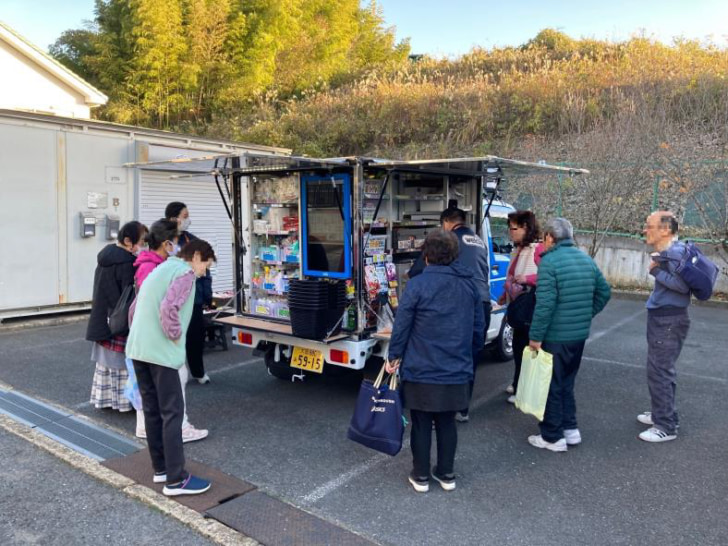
(667, 326)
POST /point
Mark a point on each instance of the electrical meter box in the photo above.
(88, 224)
(112, 227)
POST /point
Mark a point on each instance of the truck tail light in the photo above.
(342, 357)
(245, 338)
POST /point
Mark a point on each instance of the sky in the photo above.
(453, 27)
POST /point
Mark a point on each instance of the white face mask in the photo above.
(184, 225)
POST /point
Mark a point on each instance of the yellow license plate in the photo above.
(307, 359)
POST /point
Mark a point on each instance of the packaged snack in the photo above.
(372, 281)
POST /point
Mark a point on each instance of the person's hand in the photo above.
(391, 365)
(653, 265)
(534, 345)
(502, 299)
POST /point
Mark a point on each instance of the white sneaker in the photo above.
(510, 389)
(160, 477)
(511, 399)
(141, 433)
(572, 436)
(656, 435)
(192, 434)
(558, 446)
(460, 417)
(645, 418)
(203, 380)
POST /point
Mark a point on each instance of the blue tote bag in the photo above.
(377, 422)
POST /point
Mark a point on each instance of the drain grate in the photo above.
(86, 438)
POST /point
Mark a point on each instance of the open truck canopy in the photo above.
(362, 221)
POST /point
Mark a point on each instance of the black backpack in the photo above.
(119, 317)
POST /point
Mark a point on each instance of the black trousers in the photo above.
(478, 351)
(520, 342)
(195, 342)
(164, 409)
(560, 411)
(421, 441)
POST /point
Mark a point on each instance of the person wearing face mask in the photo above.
(159, 319)
(177, 211)
(114, 272)
(162, 240)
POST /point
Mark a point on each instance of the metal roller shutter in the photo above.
(207, 212)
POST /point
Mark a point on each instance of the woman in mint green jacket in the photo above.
(159, 320)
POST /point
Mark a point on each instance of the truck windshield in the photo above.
(499, 231)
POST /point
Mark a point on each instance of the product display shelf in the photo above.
(271, 272)
(275, 205)
(294, 265)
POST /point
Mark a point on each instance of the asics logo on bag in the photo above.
(382, 400)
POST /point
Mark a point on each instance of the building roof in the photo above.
(93, 96)
(99, 126)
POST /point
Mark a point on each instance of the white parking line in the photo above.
(323, 490)
(613, 327)
(83, 405)
(642, 367)
(235, 366)
(332, 485)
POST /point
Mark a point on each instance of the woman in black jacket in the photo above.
(114, 272)
(195, 342)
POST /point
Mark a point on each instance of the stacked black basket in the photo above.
(316, 307)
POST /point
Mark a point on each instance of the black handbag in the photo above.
(119, 317)
(520, 311)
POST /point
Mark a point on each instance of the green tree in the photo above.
(159, 80)
(206, 31)
(74, 49)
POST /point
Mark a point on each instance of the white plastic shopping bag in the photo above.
(534, 382)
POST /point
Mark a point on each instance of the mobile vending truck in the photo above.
(323, 246)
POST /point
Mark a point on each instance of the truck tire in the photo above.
(279, 370)
(503, 346)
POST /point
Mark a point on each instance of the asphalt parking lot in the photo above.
(289, 439)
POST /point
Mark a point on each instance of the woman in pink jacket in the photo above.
(162, 239)
(521, 280)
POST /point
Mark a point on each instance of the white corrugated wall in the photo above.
(207, 212)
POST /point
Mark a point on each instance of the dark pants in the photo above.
(421, 440)
(665, 337)
(478, 351)
(195, 342)
(560, 411)
(520, 342)
(164, 409)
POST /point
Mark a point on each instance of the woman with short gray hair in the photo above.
(439, 320)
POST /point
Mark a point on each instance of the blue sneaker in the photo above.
(191, 485)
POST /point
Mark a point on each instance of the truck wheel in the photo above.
(281, 369)
(503, 346)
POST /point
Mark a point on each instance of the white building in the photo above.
(35, 82)
(59, 172)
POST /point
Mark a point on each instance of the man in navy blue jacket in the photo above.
(473, 256)
(667, 326)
